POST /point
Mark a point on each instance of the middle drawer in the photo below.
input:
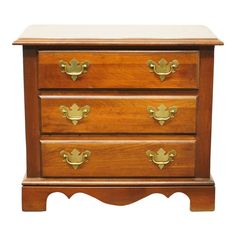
(118, 114)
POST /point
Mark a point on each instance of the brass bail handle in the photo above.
(74, 69)
(75, 158)
(162, 113)
(163, 68)
(161, 158)
(75, 113)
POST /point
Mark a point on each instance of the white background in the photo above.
(82, 214)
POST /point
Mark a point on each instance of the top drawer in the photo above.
(118, 69)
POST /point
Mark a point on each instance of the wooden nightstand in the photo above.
(118, 112)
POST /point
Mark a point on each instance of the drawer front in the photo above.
(118, 114)
(118, 69)
(118, 158)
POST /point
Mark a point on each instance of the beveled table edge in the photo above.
(117, 42)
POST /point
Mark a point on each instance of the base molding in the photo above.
(35, 191)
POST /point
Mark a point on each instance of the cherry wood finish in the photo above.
(118, 158)
(86, 182)
(146, 43)
(118, 69)
(204, 113)
(118, 35)
(201, 197)
(32, 111)
(201, 191)
(118, 86)
(118, 114)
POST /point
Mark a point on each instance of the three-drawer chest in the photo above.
(118, 112)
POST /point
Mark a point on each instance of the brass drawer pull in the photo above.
(74, 68)
(75, 113)
(163, 68)
(162, 113)
(75, 158)
(161, 157)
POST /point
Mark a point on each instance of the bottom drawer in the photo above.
(119, 157)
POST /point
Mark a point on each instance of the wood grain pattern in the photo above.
(32, 119)
(118, 114)
(118, 130)
(117, 158)
(202, 198)
(118, 69)
(204, 113)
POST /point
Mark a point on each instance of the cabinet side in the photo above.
(204, 112)
(32, 119)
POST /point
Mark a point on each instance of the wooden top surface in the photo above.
(117, 35)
